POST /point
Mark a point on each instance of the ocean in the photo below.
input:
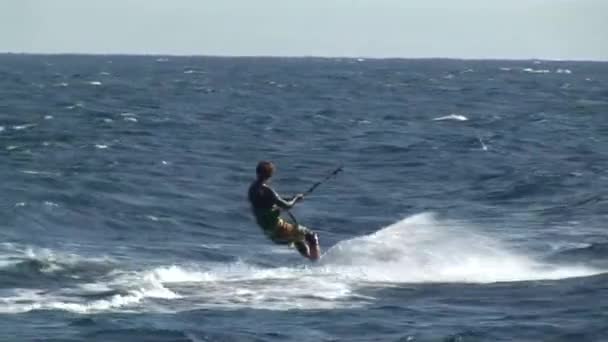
(472, 205)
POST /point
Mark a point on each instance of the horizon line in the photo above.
(363, 58)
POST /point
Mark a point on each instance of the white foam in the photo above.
(42, 173)
(94, 83)
(418, 249)
(191, 71)
(423, 249)
(176, 274)
(134, 288)
(21, 127)
(76, 105)
(484, 147)
(537, 71)
(563, 71)
(456, 117)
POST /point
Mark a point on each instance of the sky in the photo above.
(512, 29)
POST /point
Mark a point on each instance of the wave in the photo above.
(595, 254)
(30, 267)
(47, 280)
(423, 249)
(418, 249)
(455, 117)
(536, 71)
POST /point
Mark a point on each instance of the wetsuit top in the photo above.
(265, 204)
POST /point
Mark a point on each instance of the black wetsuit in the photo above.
(266, 204)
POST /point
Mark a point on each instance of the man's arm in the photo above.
(282, 203)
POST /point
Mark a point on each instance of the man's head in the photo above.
(264, 170)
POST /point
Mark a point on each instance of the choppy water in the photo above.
(472, 205)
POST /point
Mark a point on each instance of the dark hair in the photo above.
(264, 170)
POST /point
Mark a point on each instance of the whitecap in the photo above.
(484, 147)
(563, 71)
(21, 127)
(505, 69)
(94, 83)
(101, 146)
(48, 117)
(456, 117)
(76, 105)
(42, 173)
(191, 71)
(537, 71)
(130, 119)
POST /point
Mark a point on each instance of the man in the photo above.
(267, 204)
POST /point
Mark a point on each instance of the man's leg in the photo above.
(312, 239)
(305, 241)
(302, 247)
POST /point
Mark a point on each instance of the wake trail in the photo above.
(423, 249)
(416, 250)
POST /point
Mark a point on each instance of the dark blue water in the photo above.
(472, 206)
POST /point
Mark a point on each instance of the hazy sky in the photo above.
(555, 29)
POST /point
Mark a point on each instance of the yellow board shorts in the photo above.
(281, 231)
(286, 232)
